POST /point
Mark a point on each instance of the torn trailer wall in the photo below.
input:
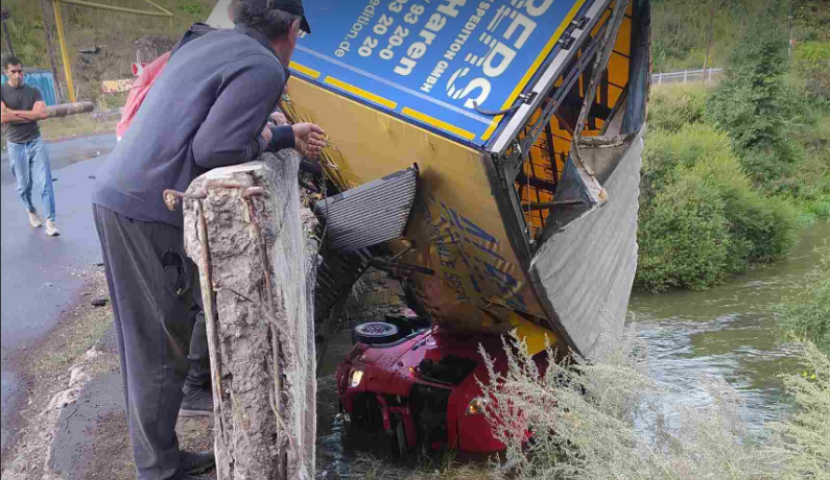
(258, 275)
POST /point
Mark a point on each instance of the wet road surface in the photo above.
(68, 152)
(40, 275)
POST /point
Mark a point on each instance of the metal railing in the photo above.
(688, 76)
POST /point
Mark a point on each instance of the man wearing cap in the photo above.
(208, 109)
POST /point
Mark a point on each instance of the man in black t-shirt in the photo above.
(22, 107)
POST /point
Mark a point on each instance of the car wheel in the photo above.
(376, 333)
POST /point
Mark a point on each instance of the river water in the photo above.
(729, 332)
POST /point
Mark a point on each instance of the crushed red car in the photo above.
(418, 384)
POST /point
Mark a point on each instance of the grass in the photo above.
(116, 33)
(606, 421)
(807, 316)
(367, 467)
(89, 324)
(76, 126)
(88, 333)
(805, 438)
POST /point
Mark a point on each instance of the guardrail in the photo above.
(688, 76)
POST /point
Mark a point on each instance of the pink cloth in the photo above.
(139, 92)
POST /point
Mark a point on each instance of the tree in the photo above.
(750, 102)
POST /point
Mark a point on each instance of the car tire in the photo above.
(376, 333)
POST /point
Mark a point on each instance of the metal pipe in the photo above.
(67, 67)
(532, 207)
(66, 109)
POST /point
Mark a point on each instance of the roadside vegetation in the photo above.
(115, 34)
(807, 316)
(58, 129)
(609, 421)
(732, 171)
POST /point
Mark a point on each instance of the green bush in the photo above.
(762, 228)
(807, 317)
(700, 219)
(812, 62)
(192, 8)
(809, 182)
(751, 103)
(671, 108)
(684, 239)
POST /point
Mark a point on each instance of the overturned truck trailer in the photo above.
(493, 149)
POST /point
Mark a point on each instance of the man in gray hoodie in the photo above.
(208, 109)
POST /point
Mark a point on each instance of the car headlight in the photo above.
(476, 407)
(356, 377)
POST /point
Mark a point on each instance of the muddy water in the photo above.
(333, 455)
(729, 332)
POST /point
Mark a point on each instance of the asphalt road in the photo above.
(67, 152)
(40, 274)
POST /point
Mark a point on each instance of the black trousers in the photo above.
(199, 374)
(152, 284)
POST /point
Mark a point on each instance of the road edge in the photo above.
(50, 386)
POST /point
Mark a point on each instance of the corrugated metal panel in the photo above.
(585, 272)
(372, 213)
(42, 81)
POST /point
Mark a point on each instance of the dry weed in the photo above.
(804, 440)
(370, 468)
(606, 421)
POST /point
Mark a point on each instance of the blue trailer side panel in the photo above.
(430, 60)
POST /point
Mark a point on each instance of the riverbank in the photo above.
(733, 170)
(704, 215)
(806, 316)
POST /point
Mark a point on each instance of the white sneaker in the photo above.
(34, 219)
(51, 229)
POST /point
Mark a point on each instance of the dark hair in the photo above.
(272, 23)
(11, 61)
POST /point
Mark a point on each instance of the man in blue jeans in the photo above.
(22, 107)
